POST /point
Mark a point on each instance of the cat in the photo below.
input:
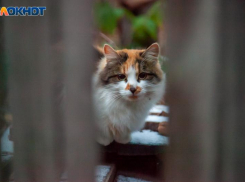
(126, 85)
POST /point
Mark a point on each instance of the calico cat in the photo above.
(127, 84)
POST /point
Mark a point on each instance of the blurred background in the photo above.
(130, 24)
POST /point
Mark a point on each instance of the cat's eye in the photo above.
(121, 77)
(142, 76)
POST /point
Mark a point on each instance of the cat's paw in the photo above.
(104, 141)
(123, 139)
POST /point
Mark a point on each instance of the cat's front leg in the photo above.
(104, 137)
(123, 137)
(120, 134)
(104, 140)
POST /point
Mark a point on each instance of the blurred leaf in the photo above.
(151, 28)
(129, 15)
(106, 16)
(119, 12)
(155, 13)
(144, 27)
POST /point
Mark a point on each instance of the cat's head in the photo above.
(131, 74)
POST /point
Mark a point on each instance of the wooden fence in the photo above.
(206, 91)
(206, 86)
(51, 54)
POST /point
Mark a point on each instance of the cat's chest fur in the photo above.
(123, 113)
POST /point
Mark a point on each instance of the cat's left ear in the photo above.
(152, 52)
(110, 53)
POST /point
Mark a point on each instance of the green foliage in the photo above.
(144, 27)
(155, 13)
(106, 17)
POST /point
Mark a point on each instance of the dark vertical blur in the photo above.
(50, 93)
(78, 76)
(206, 91)
(5, 165)
(3, 83)
(231, 89)
(2, 94)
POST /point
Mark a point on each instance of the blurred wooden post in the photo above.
(2, 91)
(5, 165)
(79, 57)
(3, 79)
(231, 92)
(30, 97)
(37, 48)
(206, 91)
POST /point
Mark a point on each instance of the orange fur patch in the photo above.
(127, 87)
(138, 90)
(133, 55)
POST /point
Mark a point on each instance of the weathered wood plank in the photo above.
(81, 151)
(30, 87)
(206, 88)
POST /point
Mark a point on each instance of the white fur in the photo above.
(113, 106)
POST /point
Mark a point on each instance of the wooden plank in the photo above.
(31, 93)
(108, 177)
(206, 88)
(81, 153)
(111, 175)
(142, 167)
(230, 92)
(192, 51)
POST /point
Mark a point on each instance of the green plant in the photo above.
(144, 27)
(106, 16)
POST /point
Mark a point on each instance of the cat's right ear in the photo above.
(110, 53)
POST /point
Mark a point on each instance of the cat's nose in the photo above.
(132, 89)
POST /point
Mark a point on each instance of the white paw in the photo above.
(104, 141)
(123, 139)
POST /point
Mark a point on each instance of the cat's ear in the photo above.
(152, 52)
(110, 53)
